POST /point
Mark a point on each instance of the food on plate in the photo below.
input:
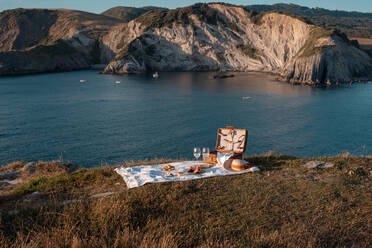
(168, 168)
(197, 170)
(205, 166)
(169, 174)
(180, 174)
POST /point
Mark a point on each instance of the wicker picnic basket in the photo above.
(229, 140)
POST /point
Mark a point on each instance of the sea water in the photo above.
(91, 119)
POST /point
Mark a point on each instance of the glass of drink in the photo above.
(197, 152)
(205, 153)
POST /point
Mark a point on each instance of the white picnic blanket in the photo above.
(140, 175)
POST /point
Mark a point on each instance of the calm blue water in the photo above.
(44, 116)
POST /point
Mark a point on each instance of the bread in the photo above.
(168, 168)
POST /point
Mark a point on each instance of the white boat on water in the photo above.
(155, 75)
(83, 81)
(117, 82)
(246, 97)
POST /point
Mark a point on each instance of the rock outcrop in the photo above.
(202, 37)
(47, 40)
(226, 37)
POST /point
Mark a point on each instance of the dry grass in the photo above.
(310, 48)
(364, 42)
(285, 205)
(12, 166)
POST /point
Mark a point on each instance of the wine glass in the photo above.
(205, 153)
(197, 152)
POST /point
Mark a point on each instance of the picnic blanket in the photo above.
(140, 175)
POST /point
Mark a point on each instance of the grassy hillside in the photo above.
(354, 24)
(285, 205)
(127, 14)
(22, 29)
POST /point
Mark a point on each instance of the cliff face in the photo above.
(224, 37)
(41, 40)
(196, 38)
(334, 61)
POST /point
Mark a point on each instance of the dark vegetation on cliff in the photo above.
(316, 33)
(285, 205)
(181, 16)
(354, 24)
(166, 18)
(252, 52)
(127, 14)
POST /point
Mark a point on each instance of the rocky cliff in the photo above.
(45, 40)
(225, 37)
(196, 38)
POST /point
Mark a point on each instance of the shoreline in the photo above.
(276, 75)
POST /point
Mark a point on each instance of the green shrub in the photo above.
(166, 18)
(65, 182)
(220, 56)
(256, 18)
(124, 52)
(251, 52)
(33, 185)
(310, 48)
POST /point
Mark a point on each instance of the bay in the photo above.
(115, 118)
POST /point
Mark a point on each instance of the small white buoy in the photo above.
(155, 75)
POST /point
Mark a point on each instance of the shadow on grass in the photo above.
(270, 161)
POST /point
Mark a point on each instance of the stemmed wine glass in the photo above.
(205, 153)
(197, 152)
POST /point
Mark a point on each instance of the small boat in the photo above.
(221, 75)
(246, 97)
(155, 75)
(83, 81)
(117, 82)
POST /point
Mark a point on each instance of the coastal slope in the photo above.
(201, 37)
(127, 14)
(47, 40)
(55, 204)
(206, 37)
